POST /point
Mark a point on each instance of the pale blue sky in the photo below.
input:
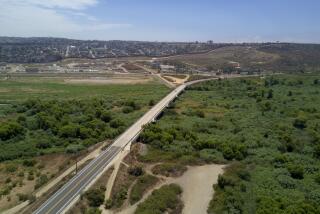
(165, 20)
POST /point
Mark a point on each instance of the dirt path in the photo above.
(154, 72)
(196, 183)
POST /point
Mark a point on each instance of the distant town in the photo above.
(43, 50)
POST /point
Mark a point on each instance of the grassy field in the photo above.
(267, 129)
(24, 88)
(45, 119)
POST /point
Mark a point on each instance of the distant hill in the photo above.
(42, 49)
(277, 57)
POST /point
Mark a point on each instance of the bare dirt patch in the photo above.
(114, 80)
(196, 183)
(197, 187)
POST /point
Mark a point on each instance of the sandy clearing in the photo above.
(196, 183)
(176, 80)
(197, 187)
(109, 81)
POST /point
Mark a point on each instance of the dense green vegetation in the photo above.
(95, 197)
(67, 118)
(141, 186)
(169, 169)
(266, 128)
(164, 200)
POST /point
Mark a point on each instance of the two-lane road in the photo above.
(62, 198)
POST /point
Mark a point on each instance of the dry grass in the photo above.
(222, 57)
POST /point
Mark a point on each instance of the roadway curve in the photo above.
(61, 200)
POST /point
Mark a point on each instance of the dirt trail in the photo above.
(196, 183)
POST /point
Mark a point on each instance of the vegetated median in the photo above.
(265, 128)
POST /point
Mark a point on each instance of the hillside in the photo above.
(283, 57)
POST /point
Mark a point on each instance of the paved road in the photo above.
(61, 199)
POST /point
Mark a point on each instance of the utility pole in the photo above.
(77, 162)
(77, 165)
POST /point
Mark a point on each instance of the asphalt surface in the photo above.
(63, 197)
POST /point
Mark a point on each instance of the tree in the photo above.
(135, 171)
(106, 116)
(70, 130)
(127, 109)
(317, 151)
(93, 210)
(116, 123)
(224, 181)
(10, 130)
(151, 103)
(300, 123)
(270, 94)
(317, 178)
(296, 171)
(95, 197)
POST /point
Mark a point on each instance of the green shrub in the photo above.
(10, 130)
(23, 197)
(95, 197)
(74, 148)
(151, 103)
(224, 181)
(119, 197)
(43, 179)
(296, 171)
(70, 130)
(116, 123)
(162, 200)
(108, 204)
(93, 210)
(300, 123)
(169, 169)
(106, 116)
(11, 168)
(317, 178)
(141, 186)
(135, 171)
(127, 109)
(317, 151)
(29, 163)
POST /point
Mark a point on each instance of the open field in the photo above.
(266, 129)
(46, 119)
(51, 86)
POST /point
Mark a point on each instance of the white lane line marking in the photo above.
(71, 181)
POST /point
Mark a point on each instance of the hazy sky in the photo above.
(164, 20)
